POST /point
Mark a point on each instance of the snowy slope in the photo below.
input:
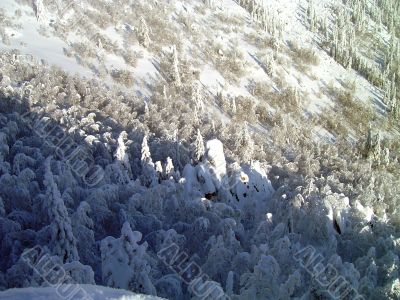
(90, 291)
(312, 85)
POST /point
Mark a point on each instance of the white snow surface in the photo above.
(92, 292)
(312, 85)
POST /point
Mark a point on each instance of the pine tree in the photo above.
(2, 208)
(246, 144)
(233, 106)
(269, 64)
(312, 17)
(122, 156)
(39, 9)
(198, 149)
(169, 168)
(175, 68)
(197, 96)
(148, 171)
(63, 242)
(83, 230)
(159, 170)
(124, 262)
(386, 156)
(368, 143)
(376, 154)
(324, 27)
(143, 33)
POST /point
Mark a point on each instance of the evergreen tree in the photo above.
(198, 149)
(148, 170)
(143, 33)
(197, 96)
(124, 262)
(175, 68)
(63, 242)
(169, 168)
(122, 156)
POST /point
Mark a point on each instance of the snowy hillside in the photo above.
(200, 149)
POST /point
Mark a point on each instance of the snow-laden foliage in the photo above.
(243, 223)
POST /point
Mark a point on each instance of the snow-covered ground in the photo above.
(77, 292)
(30, 39)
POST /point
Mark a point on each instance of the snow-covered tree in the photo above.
(125, 262)
(149, 176)
(198, 149)
(63, 242)
(39, 10)
(176, 76)
(2, 208)
(143, 33)
(122, 156)
(246, 147)
(386, 156)
(197, 96)
(376, 154)
(169, 168)
(269, 64)
(83, 226)
(263, 282)
(312, 17)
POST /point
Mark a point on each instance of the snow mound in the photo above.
(84, 291)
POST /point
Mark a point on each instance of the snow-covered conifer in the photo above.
(143, 32)
(233, 106)
(376, 154)
(39, 9)
(124, 262)
(122, 156)
(2, 208)
(264, 280)
(169, 168)
(215, 161)
(269, 64)
(287, 289)
(148, 171)
(312, 17)
(198, 149)
(246, 144)
(175, 68)
(197, 96)
(229, 283)
(159, 170)
(63, 242)
(83, 227)
(386, 156)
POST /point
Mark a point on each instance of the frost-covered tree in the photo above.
(263, 283)
(197, 96)
(269, 64)
(39, 9)
(169, 168)
(2, 208)
(122, 155)
(246, 144)
(198, 149)
(176, 76)
(386, 156)
(376, 154)
(63, 242)
(149, 176)
(312, 16)
(125, 262)
(83, 226)
(143, 33)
